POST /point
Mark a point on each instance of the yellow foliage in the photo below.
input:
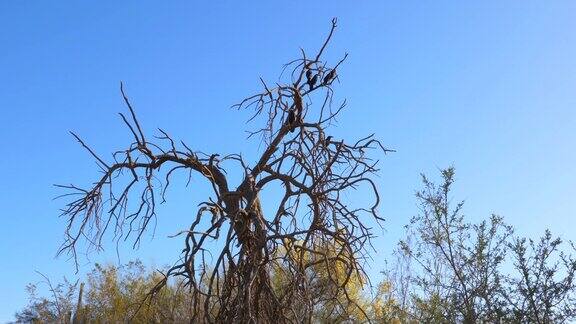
(337, 285)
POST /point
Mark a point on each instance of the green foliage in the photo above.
(113, 295)
(543, 290)
(116, 294)
(58, 308)
(448, 270)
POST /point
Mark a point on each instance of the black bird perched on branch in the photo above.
(311, 82)
(327, 141)
(308, 75)
(291, 120)
(329, 76)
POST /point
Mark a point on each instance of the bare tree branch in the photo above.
(314, 169)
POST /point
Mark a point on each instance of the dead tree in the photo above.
(314, 171)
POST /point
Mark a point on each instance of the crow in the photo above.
(329, 76)
(327, 141)
(291, 120)
(308, 75)
(312, 82)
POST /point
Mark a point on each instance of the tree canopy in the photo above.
(313, 169)
(447, 270)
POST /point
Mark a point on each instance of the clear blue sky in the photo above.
(487, 86)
